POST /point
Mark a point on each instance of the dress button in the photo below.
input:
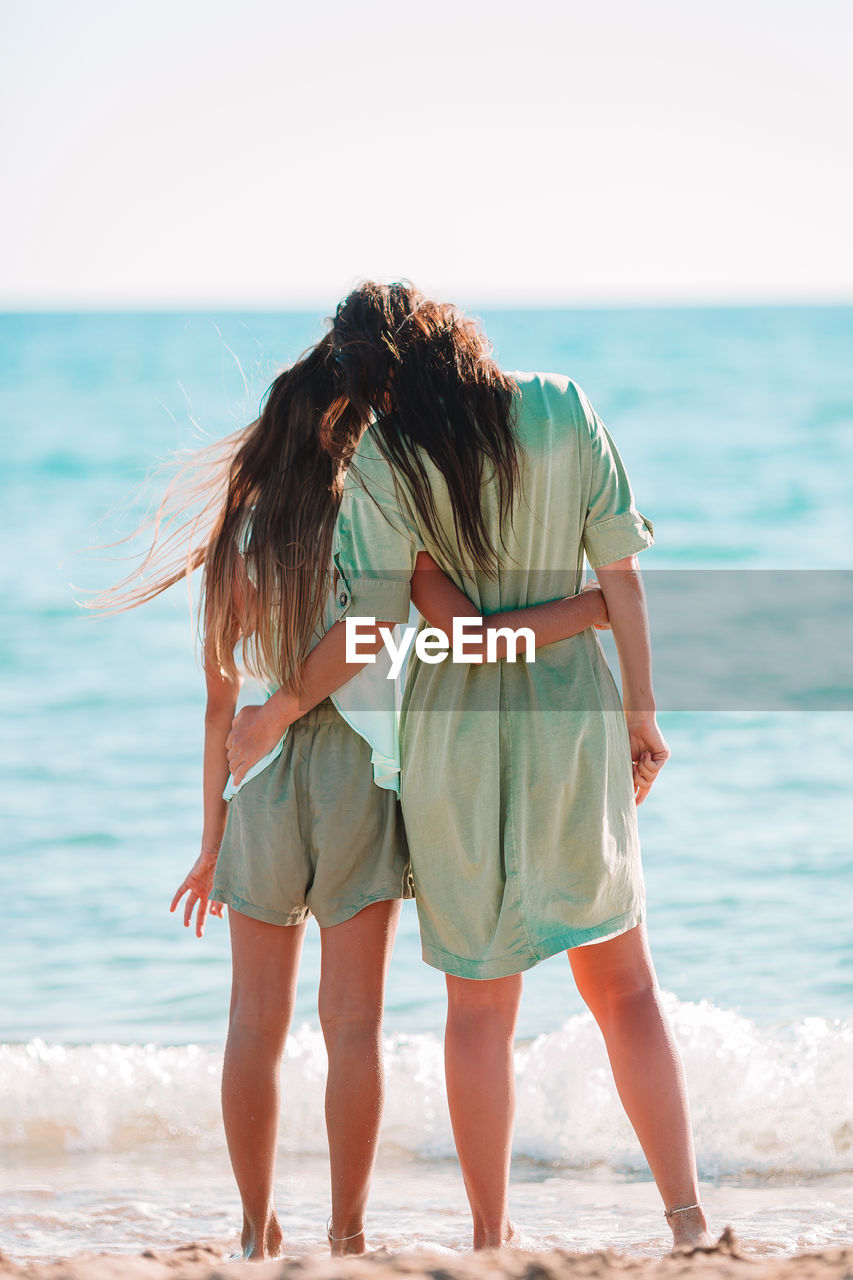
(342, 599)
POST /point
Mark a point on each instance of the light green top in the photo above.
(517, 787)
(369, 703)
(576, 499)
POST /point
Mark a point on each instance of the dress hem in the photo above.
(521, 961)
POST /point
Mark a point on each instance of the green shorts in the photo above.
(312, 834)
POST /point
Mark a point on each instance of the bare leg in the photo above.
(617, 980)
(355, 958)
(478, 1063)
(265, 964)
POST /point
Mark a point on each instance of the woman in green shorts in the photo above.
(314, 828)
(520, 780)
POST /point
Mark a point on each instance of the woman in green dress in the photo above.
(520, 779)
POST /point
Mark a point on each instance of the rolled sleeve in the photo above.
(613, 528)
(376, 544)
(620, 536)
(367, 596)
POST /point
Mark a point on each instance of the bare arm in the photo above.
(256, 730)
(222, 693)
(623, 591)
(440, 601)
(221, 704)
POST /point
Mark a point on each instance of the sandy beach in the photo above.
(203, 1262)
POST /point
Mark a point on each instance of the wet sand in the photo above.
(726, 1259)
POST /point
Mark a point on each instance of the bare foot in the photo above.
(267, 1247)
(690, 1230)
(345, 1244)
(505, 1238)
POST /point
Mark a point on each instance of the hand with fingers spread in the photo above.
(649, 753)
(198, 885)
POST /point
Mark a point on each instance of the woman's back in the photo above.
(573, 496)
(517, 782)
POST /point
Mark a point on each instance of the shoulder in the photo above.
(369, 470)
(372, 487)
(555, 398)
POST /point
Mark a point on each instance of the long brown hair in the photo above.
(424, 371)
(257, 511)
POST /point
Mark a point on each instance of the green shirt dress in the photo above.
(517, 785)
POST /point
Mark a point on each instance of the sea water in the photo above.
(736, 426)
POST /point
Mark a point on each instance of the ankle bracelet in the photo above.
(669, 1213)
(341, 1239)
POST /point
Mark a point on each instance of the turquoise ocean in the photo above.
(736, 425)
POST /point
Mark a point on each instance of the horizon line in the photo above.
(190, 306)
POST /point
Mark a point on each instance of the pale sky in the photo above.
(253, 153)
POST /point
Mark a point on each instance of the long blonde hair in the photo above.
(257, 512)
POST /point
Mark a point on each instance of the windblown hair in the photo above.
(257, 511)
(423, 370)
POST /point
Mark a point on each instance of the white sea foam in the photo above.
(765, 1101)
